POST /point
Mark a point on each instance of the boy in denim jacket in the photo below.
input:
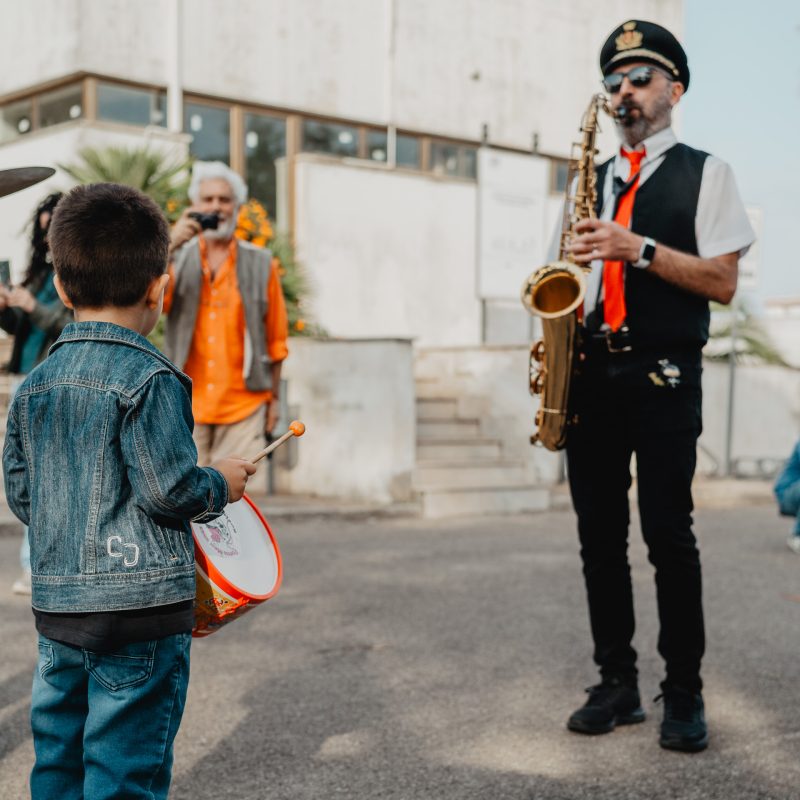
(99, 462)
(787, 493)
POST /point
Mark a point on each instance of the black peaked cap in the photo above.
(638, 40)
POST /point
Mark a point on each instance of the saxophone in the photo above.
(555, 293)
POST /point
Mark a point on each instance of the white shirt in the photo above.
(721, 223)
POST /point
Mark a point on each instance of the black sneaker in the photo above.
(684, 726)
(610, 703)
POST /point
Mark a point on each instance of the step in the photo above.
(458, 450)
(436, 408)
(434, 389)
(466, 475)
(435, 430)
(452, 503)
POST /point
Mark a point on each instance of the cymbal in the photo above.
(12, 180)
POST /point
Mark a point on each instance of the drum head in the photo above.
(238, 551)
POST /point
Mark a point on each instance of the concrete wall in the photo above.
(388, 253)
(522, 66)
(493, 384)
(766, 418)
(356, 399)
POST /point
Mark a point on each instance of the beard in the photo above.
(223, 232)
(641, 123)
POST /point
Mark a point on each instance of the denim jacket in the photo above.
(99, 461)
(788, 478)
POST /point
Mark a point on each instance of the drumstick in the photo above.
(296, 428)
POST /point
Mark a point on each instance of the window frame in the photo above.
(92, 89)
(555, 163)
(462, 146)
(233, 125)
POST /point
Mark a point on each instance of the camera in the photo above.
(206, 220)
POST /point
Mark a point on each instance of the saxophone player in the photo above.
(670, 231)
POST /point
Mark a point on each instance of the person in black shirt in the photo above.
(35, 316)
(669, 233)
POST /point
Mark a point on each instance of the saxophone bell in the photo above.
(554, 290)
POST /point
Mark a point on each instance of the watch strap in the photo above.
(646, 253)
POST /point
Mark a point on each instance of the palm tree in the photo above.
(752, 343)
(163, 177)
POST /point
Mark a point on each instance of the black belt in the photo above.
(619, 341)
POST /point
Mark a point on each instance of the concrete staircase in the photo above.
(459, 469)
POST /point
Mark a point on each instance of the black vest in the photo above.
(659, 314)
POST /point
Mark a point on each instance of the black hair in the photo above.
(108, 243)
(39, 264)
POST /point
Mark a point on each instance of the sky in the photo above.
(743, 105)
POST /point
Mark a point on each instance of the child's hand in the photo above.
(236, 471)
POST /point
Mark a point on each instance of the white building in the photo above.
(359, 123)
(306, 98)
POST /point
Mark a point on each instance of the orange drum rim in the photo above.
(216, 577)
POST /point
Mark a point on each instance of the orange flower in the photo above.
(300, 325)
(253, 224)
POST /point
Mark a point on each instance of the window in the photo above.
(329, 137)
(377, 145)
(133, 106)
(15, 119)
(559, 174)
(408, 151)
(210, 128)
(468, 162)
(61, 105)
(264, 144)
(453, 160)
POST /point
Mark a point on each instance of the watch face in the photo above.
(646, 253)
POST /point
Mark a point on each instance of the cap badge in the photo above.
(630, 38)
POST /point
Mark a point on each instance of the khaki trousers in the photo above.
(243, 439)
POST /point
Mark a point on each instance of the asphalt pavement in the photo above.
(411, 659)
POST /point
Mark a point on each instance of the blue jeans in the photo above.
(789, 504)
(104, 723)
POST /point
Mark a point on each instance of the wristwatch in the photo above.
(646, 254)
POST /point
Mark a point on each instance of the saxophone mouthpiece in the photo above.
(622, 112)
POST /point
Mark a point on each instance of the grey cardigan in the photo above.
(253, 265)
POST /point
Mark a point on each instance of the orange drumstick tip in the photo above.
(297, 428)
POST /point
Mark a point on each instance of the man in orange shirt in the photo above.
(226, 319)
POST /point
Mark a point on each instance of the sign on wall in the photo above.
(512, 237)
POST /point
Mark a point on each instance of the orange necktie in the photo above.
(614, 271)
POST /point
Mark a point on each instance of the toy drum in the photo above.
(237, 564)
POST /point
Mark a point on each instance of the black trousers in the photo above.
(635, 404)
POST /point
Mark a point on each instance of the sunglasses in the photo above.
(638, 77)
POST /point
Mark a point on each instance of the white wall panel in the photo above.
(388, 254)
